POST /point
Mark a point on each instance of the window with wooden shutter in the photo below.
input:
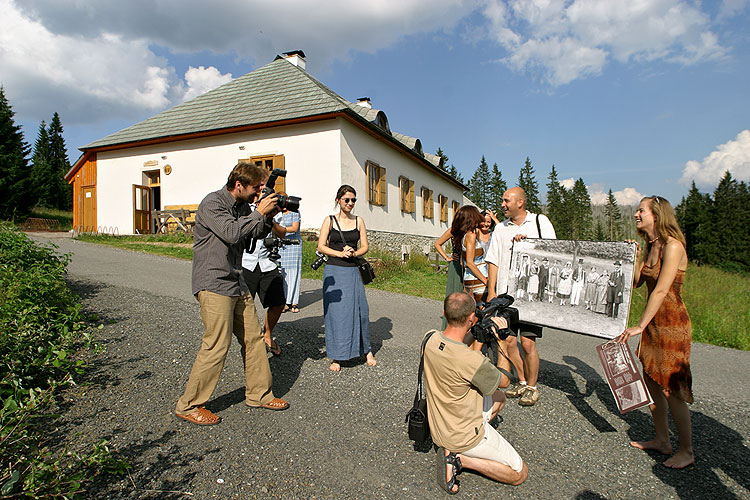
(427, 208)
(443, 201)
(456, 206)
(269, 162)
(376, 184)
(407, 195)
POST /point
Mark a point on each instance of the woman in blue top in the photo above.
(345, 310)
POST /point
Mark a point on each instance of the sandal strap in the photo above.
(455, 461)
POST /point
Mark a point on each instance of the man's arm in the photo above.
(218, 219)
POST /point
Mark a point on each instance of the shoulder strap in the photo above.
(538, 227)
(418, 394)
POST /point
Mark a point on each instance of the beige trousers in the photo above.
(221, 317)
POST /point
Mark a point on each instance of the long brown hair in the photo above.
(665, 222)
(467, 219)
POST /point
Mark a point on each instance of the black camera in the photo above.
(273, 244)
(319, 261)
(283, 202)
(485, 330)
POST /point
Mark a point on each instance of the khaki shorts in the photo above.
(493, 446)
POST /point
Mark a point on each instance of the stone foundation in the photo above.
(389, 242)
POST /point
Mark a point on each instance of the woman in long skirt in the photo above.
(291, 258)
(345, 310)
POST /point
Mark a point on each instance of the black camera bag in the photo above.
(418, 426)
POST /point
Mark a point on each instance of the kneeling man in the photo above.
(462, 399)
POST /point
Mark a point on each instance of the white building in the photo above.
(280, 117)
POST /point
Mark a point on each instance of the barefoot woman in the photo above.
(664, 349)
(345, 309)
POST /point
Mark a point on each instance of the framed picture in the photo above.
(580, 286)
(622, 375)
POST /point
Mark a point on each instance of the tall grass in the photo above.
(63, 217)
(718, 305)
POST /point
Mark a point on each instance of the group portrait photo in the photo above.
(580, 286)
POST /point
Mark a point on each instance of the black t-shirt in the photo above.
(351, 238)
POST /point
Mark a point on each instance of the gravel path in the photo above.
(344, 435)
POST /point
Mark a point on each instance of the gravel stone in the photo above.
(344, 435)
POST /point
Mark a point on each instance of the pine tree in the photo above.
(41, 168)
(614, 218)
(63, 192)
(527, 181)
(498, 186)
(599, 234)
(479, 184)
(580, 211)
(451, 170)
(454, 173)
(16, 197)
(442, 155)
(693, 216)
(555, 206)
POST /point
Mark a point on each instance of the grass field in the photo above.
(716, 300)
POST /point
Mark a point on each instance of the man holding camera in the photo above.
(518, 225)
(462, 398)
(222, 223)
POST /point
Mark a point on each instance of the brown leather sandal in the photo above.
(201, 416)
(276, 404)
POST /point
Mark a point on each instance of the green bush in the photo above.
(41, 330)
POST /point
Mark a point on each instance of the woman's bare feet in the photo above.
(371, 360)
(661, 447)
(335, 366)
(679, 460)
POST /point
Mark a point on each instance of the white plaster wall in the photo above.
(311, 153)
(357, 147)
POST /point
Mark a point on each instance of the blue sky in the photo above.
(640, 97)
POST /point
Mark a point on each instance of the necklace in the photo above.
(651, 242)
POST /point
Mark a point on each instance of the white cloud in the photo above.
(568, 183)
(600, 196)
(98, 59)
(200, 80)
(732, 156)
(729, 8)
(564, 40)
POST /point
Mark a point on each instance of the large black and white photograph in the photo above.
(580, 286)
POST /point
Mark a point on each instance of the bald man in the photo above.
(519, 224)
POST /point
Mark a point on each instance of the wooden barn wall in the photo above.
(84, 177)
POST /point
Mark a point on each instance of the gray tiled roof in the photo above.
(275, 92)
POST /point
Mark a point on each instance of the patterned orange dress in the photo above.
(665, 343)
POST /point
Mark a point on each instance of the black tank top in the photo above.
(351, 238)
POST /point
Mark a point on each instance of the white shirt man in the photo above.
(519, 224)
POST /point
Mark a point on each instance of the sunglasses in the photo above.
(349, 200)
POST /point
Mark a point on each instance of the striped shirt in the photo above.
(221, 228)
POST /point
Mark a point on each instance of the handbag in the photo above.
(365, 268)
(418, 427)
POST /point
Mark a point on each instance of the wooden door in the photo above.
(88, 207)
(141, 209)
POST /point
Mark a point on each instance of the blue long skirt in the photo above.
(346, 313)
